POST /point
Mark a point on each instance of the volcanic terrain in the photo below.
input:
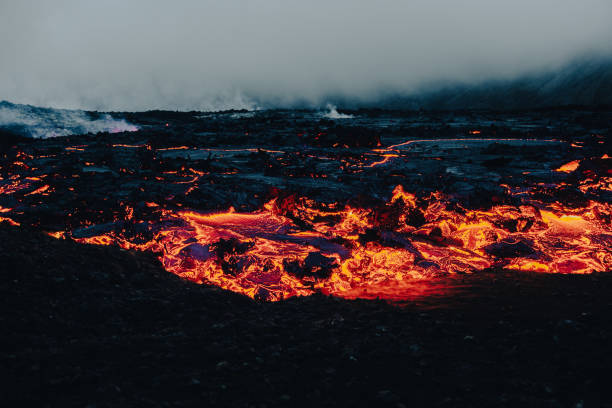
(291, 257)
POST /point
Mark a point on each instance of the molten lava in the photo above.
(296, 246)
(569, 167)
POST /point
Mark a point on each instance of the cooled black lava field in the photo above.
(293, 258)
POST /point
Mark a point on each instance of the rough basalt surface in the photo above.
(98, 326)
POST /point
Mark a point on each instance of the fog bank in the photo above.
(211, 55)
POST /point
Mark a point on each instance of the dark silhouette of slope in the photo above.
(584, 82)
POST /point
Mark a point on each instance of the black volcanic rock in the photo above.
(99, 326)
(315, 265)
(344, 136)
(9, 139)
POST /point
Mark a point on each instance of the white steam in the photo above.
(44, 123)
(332, 113)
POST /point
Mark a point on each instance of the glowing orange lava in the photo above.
(297, 246)
(569, 167)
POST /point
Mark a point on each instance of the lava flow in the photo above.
(328, 210)
(295, 246)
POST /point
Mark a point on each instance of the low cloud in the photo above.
(211, 55)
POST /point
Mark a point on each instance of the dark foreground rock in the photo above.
(98, 326)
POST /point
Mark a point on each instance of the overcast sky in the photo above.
(200, 54)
